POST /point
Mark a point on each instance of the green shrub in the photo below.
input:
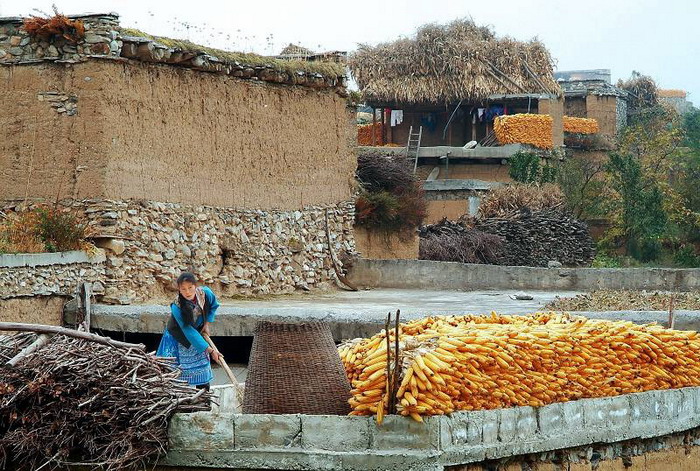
(60, 231)
(526, 167)
(686, 257)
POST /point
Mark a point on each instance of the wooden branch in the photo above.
(389, 374)
(341, 278)
(506, 76)
(498, 79)
(51, 329)
(395, 377)
(221, 361)
(29, 349)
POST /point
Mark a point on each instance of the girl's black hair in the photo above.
(185, 306)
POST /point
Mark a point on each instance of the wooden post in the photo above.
(383, 127)
(389, 132)
(85, 293)
(374, 126)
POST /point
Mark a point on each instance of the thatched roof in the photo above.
(296, 50)
(449, 63)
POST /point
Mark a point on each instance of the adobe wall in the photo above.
(604, 110)
(554, 108)
(575, 106)
(161, 133)
(377, 245)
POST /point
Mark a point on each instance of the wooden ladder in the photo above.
(413, 146)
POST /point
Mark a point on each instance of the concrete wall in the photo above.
(425, 274)
(234, 441)
(376, 245)
(162, 133)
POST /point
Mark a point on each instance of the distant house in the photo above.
(678, 99)
(300, 53)
(452, 81)
(590, 94)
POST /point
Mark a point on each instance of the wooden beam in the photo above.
(52, 329)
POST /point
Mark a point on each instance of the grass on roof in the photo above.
(327, 69)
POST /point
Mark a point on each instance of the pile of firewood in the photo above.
(535, 238)
(524, 238)
(449, 241)
(74, 400)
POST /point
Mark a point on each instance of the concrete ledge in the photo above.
(240, 441)
(427, 274)
(454, 185)
(44, 259)
(345, 323)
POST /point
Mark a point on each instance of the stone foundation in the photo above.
(236, 252)
(49, 274)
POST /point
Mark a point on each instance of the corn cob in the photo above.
(534, 129)
(580, 125)
(485, 362)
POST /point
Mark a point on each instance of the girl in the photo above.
(190, 317)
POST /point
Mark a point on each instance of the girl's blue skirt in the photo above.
(195, 367)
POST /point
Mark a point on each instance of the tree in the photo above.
(640, 207)
(581, 180)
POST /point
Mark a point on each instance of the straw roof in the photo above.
(448, 63)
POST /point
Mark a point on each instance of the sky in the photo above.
(656, 38)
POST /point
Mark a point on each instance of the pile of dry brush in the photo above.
(391, 198)
(520, 225)
(55, 27)
(78, 401)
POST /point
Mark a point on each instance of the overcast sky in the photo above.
(658, 38)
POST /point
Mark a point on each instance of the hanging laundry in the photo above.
(481, 112)
(396, 117)
(428, 121)
(493, 111)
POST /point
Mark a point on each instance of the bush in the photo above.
(526, 167)
(686, 257)
(19, 234)
(602, 260)
(42, 230)
(59, 230)
(392, 199)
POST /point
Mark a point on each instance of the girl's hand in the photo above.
(217, 357)
(205, 329)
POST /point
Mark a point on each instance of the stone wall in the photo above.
(101, 38)
(236, 251)
(35, 287)
(47, 274)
